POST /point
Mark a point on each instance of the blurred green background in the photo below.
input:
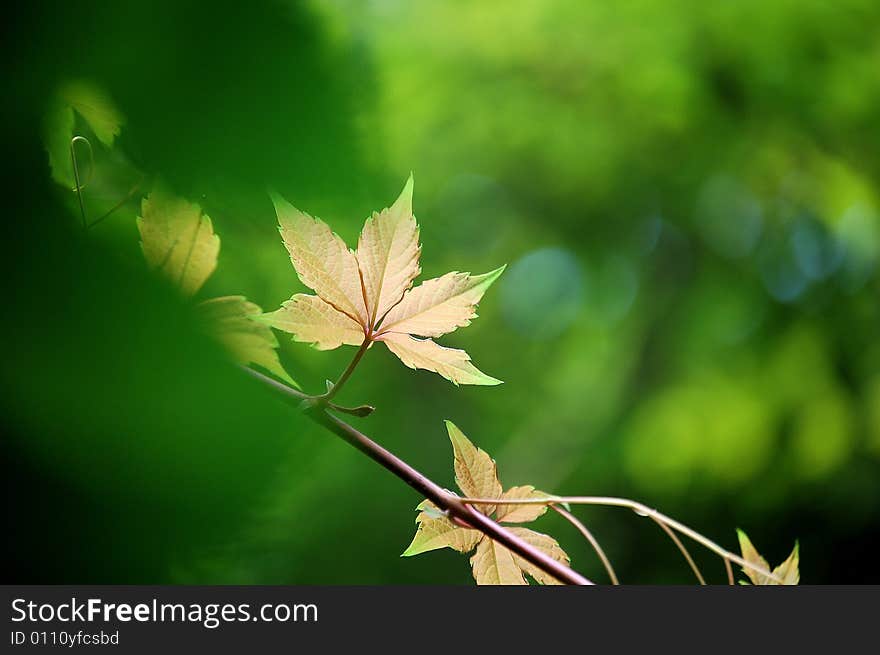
(686, 194)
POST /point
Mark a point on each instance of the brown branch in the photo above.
(434, 492)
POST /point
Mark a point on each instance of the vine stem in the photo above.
(445, 500)
(640, 509)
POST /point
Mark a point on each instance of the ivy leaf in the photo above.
(98, 111)
(787, 571)
(368, 294)
(178, 240)
(491, 563)
(230, 320)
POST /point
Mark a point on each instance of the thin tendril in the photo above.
(119, 204)
(684, 551)
(593, 541)
(638, 508)
(76, 179)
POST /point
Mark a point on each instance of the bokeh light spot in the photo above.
(824, 436)
(729, 217)
(542, 292)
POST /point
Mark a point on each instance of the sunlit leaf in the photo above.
(388, 254)
(436, 531)
(787, 571)
(178, 240)
(751, 555)
(374, 284)
(451, 363)
(321, 259)
(439, 306)
(548, 545)
(475, 472)
(520, 513)
(493, 564)
(310, 319)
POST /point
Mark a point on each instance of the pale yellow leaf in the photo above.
(178, 240)
(520, 513)
(788, 571)
(751, 555)
(493, 564)
(475, 471)
(311, 320)
(322, 260)
(388, 254)
(548, 546)
(439, 306)
(230, 319)
(439, 532)
(453, 364)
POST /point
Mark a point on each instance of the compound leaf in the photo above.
(492, 563)
(371, 290)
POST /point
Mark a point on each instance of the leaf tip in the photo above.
(455, 434)
(404, 200)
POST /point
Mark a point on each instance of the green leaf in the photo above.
(434, 533)
(97, 110)
(230, 320)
